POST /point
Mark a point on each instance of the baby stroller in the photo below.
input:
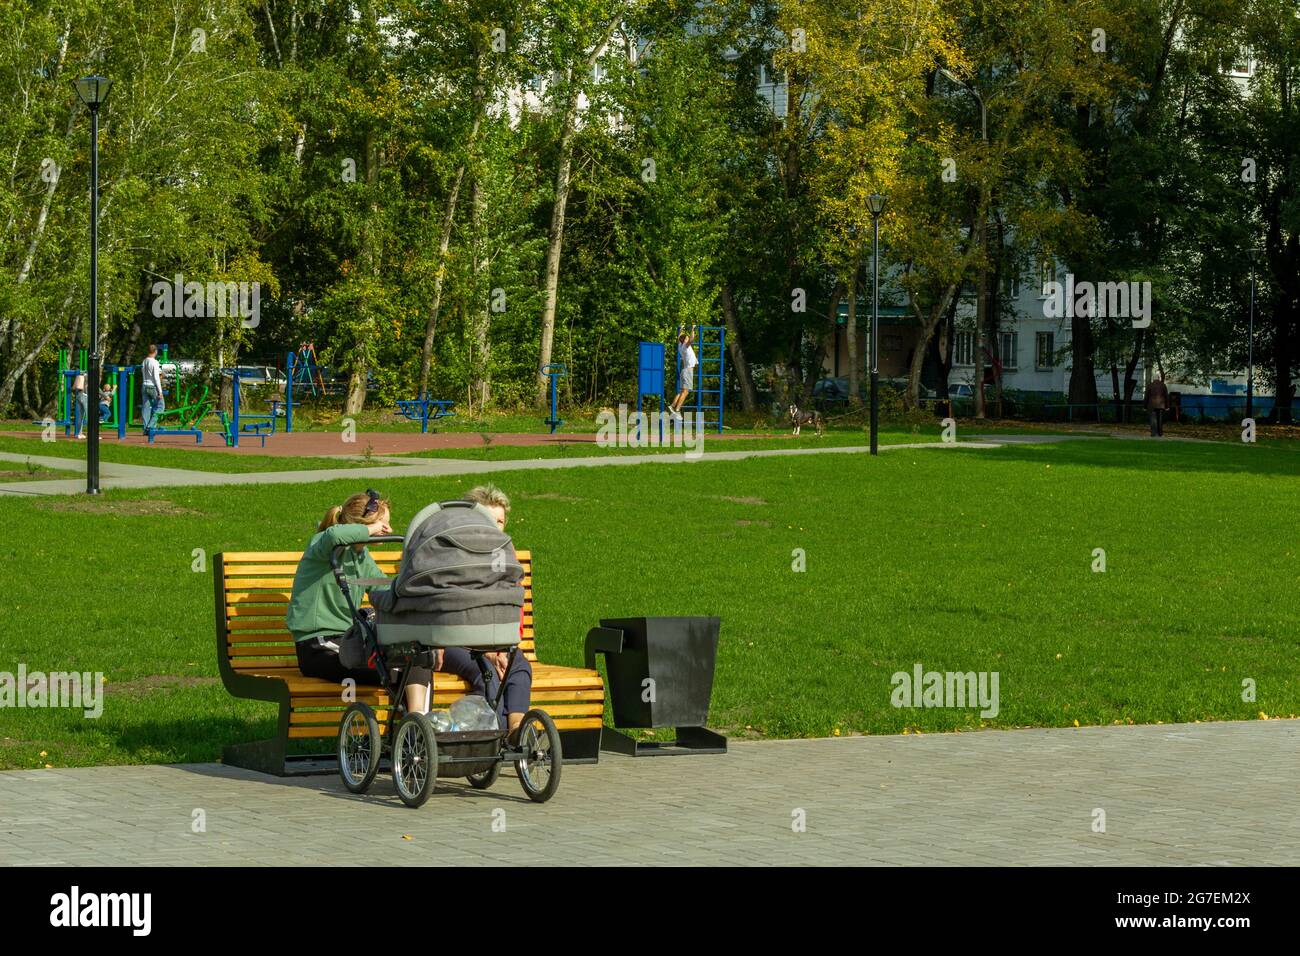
(459, 586)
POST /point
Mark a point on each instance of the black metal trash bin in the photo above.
(659, 673)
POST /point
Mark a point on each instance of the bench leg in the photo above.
(272, 756)
(580, 746)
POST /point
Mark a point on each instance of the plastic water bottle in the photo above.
(441, 721)
(473, 712)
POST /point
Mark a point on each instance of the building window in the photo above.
(1010, 283)
(1007, 350)
(963, 348)
(1046, 274)
(1044, 350)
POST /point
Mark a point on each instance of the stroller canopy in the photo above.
(460, 583)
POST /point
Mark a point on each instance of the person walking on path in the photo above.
(1157, 402)
(686, 363)
(151, 374)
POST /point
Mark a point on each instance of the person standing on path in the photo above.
(152, 405)
(1157, 402)
(79, 405)
(686, 363)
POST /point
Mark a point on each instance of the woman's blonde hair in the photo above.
(489, 496)
(353, 511)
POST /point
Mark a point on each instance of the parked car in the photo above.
(960, 390)
(831, 390)
(257, 375)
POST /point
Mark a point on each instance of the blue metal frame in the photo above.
(417, 410)
(711, 370)
(650, 380)
(258, 425)
(555, 371)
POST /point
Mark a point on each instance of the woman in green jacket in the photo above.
(318, 615)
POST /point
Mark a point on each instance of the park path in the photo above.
(116, 475)
(1173, 794)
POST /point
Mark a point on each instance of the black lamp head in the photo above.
(876, 203)
(92, 91)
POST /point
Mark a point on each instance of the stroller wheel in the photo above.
(539, 772)
(360, 748)
(482, 781)
(415, 759)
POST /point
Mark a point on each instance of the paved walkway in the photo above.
(1222, 793)
(114, 475)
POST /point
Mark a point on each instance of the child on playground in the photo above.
(686, 363)
(318, 616)
(457, 660)
(106, 402)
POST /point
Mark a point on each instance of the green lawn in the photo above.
(890, 434)
(962, 560)
(26, 471)
(164, 457)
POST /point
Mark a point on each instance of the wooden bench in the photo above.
(255, 655)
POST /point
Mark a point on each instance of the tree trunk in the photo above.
(444, 243)
(1083, 380)
(1284, 349)
(435, 307)
(360, 372)
(555, 235)
(748, 397)
(814, 370)
(1130, 383)
(481, 374)
(555, 239)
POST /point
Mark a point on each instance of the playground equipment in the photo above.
(706, 398)
(188, 409)
(650, 379)
(423, 409)
(302, 368)
(554, 371)
(233, 425)
(302, 372)
(710, 374)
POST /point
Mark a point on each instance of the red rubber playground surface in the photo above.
(326, 444)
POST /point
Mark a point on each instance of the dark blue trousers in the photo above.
(519, 679)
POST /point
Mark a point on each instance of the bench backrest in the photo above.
(255, 587)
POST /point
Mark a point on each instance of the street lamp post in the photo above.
(1253, 255)
(93, 91)
(876, 203)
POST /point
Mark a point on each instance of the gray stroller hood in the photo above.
(460, 583)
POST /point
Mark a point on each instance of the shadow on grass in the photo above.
(194, 739)
(1155, 455)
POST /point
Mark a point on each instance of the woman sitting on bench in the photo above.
(318, 616)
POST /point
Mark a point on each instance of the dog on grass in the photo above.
(800, 418)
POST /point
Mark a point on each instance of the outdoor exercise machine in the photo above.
(424, 409)
(554, 371)
(706, 397)
(234, 424)
(650, 379)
